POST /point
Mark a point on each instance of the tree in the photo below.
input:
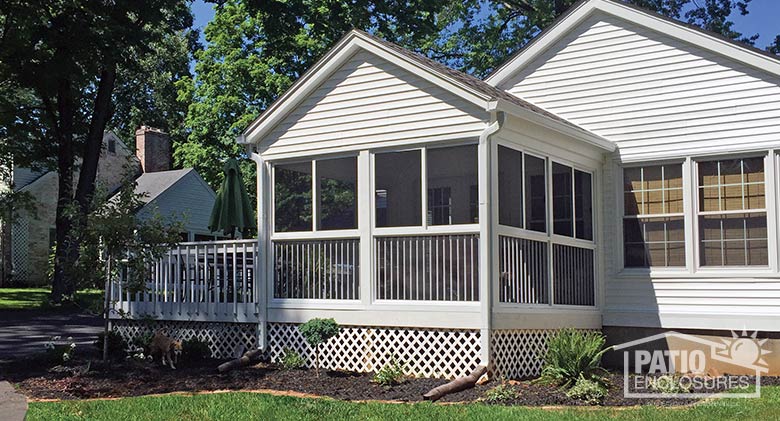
(64, 57)
(774, 48)
(116, 241)
(317, 332)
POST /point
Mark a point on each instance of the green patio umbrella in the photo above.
(232, 209)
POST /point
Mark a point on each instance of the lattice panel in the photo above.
(20, 249)
(518, 354)
(443, 353)
(226, 340)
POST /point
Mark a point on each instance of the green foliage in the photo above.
(143, 341)
(670, 383)
(588, 391)
(573, 354)
(316, 332)
(502, 393)
(195, 350)
(58, 352)
(391, 373)
(292, 360)
(116, 344)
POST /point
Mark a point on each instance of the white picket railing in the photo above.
(208, 281)
(317, 269)
(427, 267)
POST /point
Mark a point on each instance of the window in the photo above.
(653, 220)
(563, 211)
(293, 197)
(572, 202)
(732, 213)
(112, 145)
(510, 187)
(451, 174)
(337, 203)
(398, 185)
(535, 193)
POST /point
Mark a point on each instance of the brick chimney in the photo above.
(153, 149)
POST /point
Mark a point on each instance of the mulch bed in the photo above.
(80, 380)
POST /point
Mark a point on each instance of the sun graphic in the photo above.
(745, 349)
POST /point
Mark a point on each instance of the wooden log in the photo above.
(240, 362)
(456, 385)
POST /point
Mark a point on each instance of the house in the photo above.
(618, 173)
(178, 194)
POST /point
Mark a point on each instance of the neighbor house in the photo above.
(618, 173)
(181, 195)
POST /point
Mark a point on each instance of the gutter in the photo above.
(261, 268)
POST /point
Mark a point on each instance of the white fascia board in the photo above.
(327, 66)
(631, 14)
(558, 126)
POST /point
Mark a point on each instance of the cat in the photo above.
(168, 349)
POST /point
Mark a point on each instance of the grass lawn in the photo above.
(38, 298)
(252, 406)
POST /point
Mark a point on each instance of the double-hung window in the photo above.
(732, 213)
(653, 218)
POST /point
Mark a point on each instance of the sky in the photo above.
(763, 19)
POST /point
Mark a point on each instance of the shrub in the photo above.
(572, 354)
(292, 360)
(194, 350)
(116, 345)
(58, 353)
(501, 393)
(670, 383)
(588, 391)
(142, 341)
(317, 332)
(390, 374)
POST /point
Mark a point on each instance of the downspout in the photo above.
(486, 233)
(261, 299)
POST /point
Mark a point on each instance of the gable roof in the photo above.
(466, 86)
(153, 184)
(692, 34)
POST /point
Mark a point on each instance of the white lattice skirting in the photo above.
(443, 353)
(518, 353)
(226, 340)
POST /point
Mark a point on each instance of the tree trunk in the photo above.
(456, 385)
(240, 362)
(63, 121)
(106, 304)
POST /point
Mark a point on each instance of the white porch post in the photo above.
(261, 266)
(484, 170)
(364, 202)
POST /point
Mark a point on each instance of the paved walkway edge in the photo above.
(13, 405)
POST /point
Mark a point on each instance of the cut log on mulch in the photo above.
(456, 385)
(245, 359)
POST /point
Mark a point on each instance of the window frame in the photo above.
(692, 268)
(424, 227)
(314, 233)
(697, 212)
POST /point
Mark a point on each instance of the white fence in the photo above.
(206, 281)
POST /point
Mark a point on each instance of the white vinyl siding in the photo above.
(651, 94)
(368, 101)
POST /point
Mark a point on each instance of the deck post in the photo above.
(484, 170)
(365, 200)
(261, 268)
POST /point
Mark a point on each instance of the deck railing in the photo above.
(527, 272)
(427, 267)
(317, 269)
(214, 280)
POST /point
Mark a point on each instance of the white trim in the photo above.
(647, 19)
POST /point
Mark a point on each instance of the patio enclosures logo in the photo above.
(678, 365)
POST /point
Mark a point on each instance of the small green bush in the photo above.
(143, 341)
(391, 373)
(292, 360)
(316, 332)
(670, 383)
(501, 393)
(572, 354)
(588, 391)
(194, 350)
(116, 345)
